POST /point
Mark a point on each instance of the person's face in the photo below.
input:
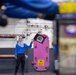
(20, 39)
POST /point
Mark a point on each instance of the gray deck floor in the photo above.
(34, 73)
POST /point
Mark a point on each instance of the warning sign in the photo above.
(67, 53)
(40, 62)
(68, 46)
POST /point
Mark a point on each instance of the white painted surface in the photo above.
(17, 26)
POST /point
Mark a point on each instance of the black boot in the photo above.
(22, 73)
(15, 74)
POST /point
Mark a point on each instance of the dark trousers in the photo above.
(20, 61)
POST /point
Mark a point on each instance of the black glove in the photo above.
(50, 16)
(3, 20)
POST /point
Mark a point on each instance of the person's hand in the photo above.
(32, 40)
(26, 56)
(3, 7)
(40, 15)
(15, 57)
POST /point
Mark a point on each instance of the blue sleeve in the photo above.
(18, 12)
(28, 46)
(42, 6)
(16, 50)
